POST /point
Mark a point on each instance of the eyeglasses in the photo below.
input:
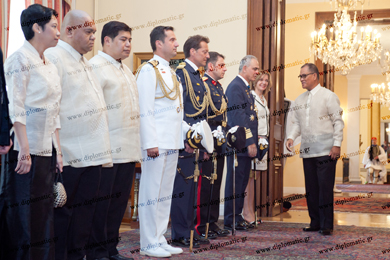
(304, 75)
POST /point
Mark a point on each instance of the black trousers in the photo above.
(203, 203)
(115, 188)
(73, 221)
(320, 175)
(182, 210)
(26, 209)
(242, 177)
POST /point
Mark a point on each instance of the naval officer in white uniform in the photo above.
(162, 134)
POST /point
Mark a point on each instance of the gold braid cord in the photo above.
(211, 103)
(191, 91)
(163, 85)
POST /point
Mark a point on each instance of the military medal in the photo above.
(252, 117)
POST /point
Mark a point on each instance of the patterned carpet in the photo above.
(364, 205)
(364, 188)
(274, 234)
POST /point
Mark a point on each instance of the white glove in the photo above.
(196, 129)
(233, 129)
(263, 141)
(218, 134)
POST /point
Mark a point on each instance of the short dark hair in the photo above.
(312, 68)
(158, 34)
(35, 13)
(213, 58)
(112, 29)
(194, 42)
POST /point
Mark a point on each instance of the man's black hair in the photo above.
(312, 68)
(213, 58)
(193, 42)
(158, 34)
(112, 29)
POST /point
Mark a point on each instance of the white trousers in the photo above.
(155, 197)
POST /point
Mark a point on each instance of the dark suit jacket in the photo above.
(5, 124)
(241, 109)
(199, 90)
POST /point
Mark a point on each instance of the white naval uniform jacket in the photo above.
(162, 122)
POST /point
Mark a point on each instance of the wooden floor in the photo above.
(341, 219)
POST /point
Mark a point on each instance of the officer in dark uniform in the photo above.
(241, 112)
(215, 70)
(195, 108)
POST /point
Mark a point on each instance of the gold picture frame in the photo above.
(141, 57)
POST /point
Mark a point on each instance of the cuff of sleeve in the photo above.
(19, 119)
(337, 143)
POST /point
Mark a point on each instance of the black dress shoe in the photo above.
(326, 232)
(239, 226)
(310, 229)
(185, 242)
(250, 225)
(221, 232)
(211, 235)
(201, 240)
(120, 257)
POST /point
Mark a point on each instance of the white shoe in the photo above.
(157, 252)
(171, 249)
(337, 190)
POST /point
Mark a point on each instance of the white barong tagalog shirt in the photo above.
(34, 93)
(84, 131)
(319, 122)
(121, 96)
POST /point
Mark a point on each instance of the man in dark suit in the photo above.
(215, 70)
(5, 145)
(196, 52)
(243, 115)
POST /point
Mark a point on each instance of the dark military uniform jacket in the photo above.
(241, 110)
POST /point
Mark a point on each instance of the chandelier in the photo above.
(342, 47)
(386, 66)
(349, 4)
(379, 94)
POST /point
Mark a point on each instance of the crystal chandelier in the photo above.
(386, 66)
(379, 94)
(349, 4)
(343, 48)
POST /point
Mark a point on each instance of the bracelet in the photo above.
(59, 153)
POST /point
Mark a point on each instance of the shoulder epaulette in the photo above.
(181, 66)
(154, 63)
(205, 78)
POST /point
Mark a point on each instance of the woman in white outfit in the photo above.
(259, 90)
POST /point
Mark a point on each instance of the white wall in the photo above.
(188, 18)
